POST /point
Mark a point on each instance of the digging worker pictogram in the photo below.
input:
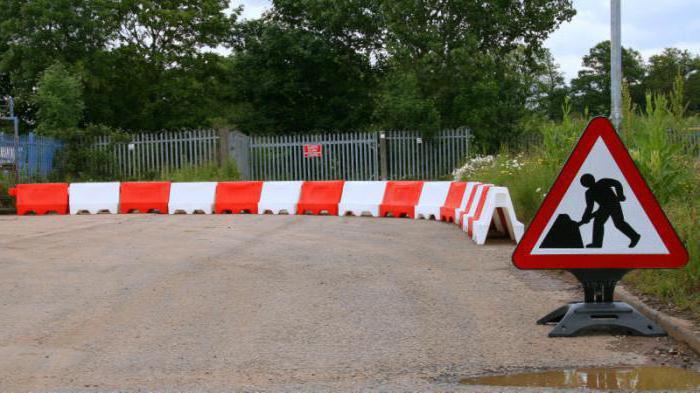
(607, 193)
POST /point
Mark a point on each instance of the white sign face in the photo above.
(601, 209)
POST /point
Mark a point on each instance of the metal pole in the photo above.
(615, 64)
(383, 162)
(16, 126)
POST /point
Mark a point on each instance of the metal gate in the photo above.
(349, 156)
(391, 155)
(411, 156)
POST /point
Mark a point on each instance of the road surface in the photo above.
(222, 303)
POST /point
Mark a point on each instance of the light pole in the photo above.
(615, 64)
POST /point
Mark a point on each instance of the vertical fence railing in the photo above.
(356, 156)
(150, 155)
(349, 156)
(412, 156)
(35, 155)
(689, 141)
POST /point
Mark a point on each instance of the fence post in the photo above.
(383, 162)
(224, 148)
(239, 149)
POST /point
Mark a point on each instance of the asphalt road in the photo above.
(222, 303)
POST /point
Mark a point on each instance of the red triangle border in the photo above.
(600, 127)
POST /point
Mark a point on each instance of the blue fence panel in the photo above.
(35, 154)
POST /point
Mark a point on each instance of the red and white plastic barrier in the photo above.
(467, 201)
(400, 199)
(94, 198)
(479, 209)
(361, 198)
(319, 197)
(190, 198)
(280, 197)
(468, 220)
(472, 207)
(41, 199)
(432, 198)
(497, 208)
(238, 197)
(453, 200)
(144, 197)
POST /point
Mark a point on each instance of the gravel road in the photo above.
(271, 303)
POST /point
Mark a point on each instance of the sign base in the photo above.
(599, 311)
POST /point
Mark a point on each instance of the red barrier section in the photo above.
(41, 198)
(144, 197)
(401, 198)
(319, 196)
(237, 197)
(479, 210)
(454, 197)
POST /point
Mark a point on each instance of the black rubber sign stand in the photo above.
(599, 311)
(598, 221)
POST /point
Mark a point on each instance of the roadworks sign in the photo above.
(600, 214)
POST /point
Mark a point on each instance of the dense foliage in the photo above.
(305, 65)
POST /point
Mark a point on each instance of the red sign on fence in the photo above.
(313, 151)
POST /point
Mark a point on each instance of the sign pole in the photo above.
(615, 64)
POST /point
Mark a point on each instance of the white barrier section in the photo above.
(499, 208)
(279, 196)
(94, 198)
(465, 200)
(432, 198)
(472, 209)
(192, 198)
(361, 197)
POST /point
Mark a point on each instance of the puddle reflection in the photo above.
(630, 378)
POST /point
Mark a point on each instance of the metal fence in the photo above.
(35, 155)
(354, 156)
(411, 156)
(148, 155)
(349, 156)
(689, 141)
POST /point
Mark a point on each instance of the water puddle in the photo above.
(629, 378)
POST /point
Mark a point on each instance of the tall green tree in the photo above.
(449, 63)
(666, 66)
(168, 32)
(548, 87)
(285, 79)
(34, 34)
(164, 45)
(591, 89)
(144, 64)
(59, 97)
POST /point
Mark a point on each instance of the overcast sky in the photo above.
(647, 26)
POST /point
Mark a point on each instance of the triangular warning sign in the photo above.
(600, 214)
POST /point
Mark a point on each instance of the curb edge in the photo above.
(669, 323)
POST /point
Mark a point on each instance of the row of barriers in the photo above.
(479, 209)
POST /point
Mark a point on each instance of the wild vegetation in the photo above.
(652, 135)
